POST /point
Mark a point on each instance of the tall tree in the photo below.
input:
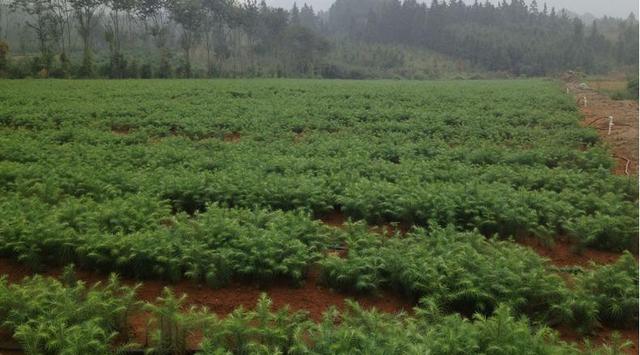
(113, 33)
(190, 15)
(308, 18)
(62, 12)
(155, 17)
(86, 13)
(627, 43)
(295, 15)
(305, 49)
(219, 15)
(43, 22)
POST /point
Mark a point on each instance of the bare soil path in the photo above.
(623, 138)
(563, 252)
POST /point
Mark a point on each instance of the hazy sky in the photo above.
(617, 8)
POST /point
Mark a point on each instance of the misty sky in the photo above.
(617, 8)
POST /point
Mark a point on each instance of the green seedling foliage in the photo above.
(355, 330)
(48, 317)
(610, 290)
(454, 271)
(173, 324)
(216, 181)
(503, 157)
(262, 329)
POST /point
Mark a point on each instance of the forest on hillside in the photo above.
(353, 39)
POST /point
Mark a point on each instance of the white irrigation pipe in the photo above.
(610, 125)
(626, 167)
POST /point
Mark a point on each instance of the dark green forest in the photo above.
(354, 39)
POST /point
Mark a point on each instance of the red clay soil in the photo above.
(310, 297)
(564, 253)
(337, 219)
(602, 337)
(231, 137)
(298, 137)
(120, 131)
(623, 140)
(334, 218)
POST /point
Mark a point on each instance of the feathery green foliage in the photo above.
(221, 181)
(174, 324)
(356, 330)
(612, 290)
(258, 331)
(453, 271)
(48, 317)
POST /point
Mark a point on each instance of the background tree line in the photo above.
(513, 37)
(353, 39)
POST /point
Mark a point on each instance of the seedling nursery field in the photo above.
(429, 192)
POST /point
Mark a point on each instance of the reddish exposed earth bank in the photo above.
(623, 138)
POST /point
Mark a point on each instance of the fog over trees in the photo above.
(352, 39)
(598, 8)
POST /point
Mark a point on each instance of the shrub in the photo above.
(456, 271)
(46, 316)
(173, 325)
(259, 331)
(355, 330)
(613, 291)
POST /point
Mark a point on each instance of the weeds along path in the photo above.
(623, 139)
